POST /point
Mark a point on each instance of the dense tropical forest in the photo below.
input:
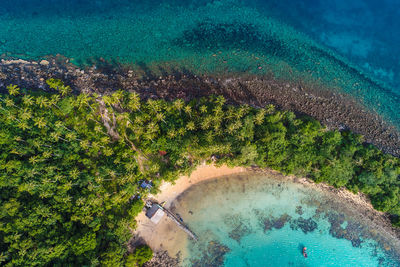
(71, 164)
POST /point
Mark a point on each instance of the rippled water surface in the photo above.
(256, 220)
(341, 45)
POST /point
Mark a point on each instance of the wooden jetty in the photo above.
(155, 206)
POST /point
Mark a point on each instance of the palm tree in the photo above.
(83, 100)
(27, 100)
(9, 102)
(242, 111)
(188, 110)
(206, 123)
(98, 129)
(105, 140)
(74, 173)
(230, 113)
(70, 136)
(154, 106)
(270, 109)
(107, 151)
(30, 172)
(171, 133)
(220, 100)
(13, 89)
(238, 124)
(218, 111)
(260, 116)
(54, 100)
(203, 109)
(26, 114)
(85, 144)
(210, 137)
(23, 125)
(190, 126)
(42, 101)
(108, 100)
(46, 154)
(160, 117)
(40, 122)
(64, 90)
(181, 131)
(118, 95)
(134, 101)
(179, 104)
(33, 160)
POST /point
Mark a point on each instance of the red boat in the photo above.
(305, 252)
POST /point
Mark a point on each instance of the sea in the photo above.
(351, 47)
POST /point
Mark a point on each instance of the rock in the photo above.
(162, 259)
(306, 225)
(44, 63)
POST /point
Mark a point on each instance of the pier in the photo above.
(153, 213)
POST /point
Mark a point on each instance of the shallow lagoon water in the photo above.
(263, 220)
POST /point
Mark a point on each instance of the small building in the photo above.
(146, 185)
(155, 213)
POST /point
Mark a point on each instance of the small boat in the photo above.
(305, 252)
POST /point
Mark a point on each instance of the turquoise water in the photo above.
(256, 220)
(315, 42)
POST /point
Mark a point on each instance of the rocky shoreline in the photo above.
(162, 259)
(336, 111)
(358, 205)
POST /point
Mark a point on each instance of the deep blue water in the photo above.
(350, 46)
(365, 31)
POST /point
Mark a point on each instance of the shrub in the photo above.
(141, 255)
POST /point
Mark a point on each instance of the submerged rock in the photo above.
(213, 255)
(299, 210)
(276, 223)
(306, 225)
(352, 231)
(240, 227)
(240, 231)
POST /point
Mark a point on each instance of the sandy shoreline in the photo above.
(167, 237)
(169, 192)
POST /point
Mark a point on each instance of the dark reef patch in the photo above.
(245, 36)
(306, 225)
(281, 221)
(276, 223)
(213, 255)
(240, 231)
(352, 232)
(299, 210)
(239, 226)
